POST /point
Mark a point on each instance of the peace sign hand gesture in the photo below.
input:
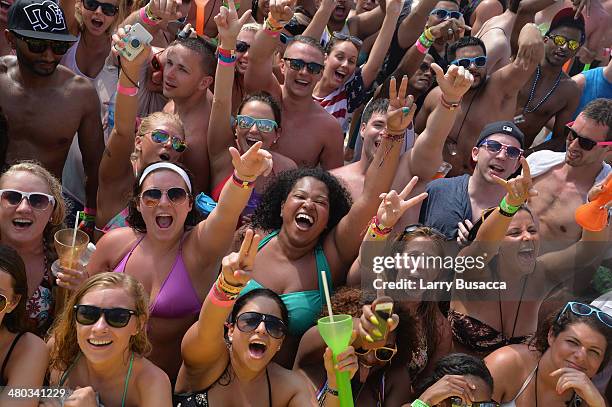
(228, 23)
(237, 267)
(400, 111)
(394, 205)
(518, 189)
(253, 163)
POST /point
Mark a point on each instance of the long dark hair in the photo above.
(11, 263)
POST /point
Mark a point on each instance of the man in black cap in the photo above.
(46, 104)
(450, 201)
(550, 92)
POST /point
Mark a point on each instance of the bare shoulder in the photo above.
(325, 120)
(31, 347)
(511, 359)
(569, 87)
(282, 162)
(112, 247)
(292, 382)
(147, 375)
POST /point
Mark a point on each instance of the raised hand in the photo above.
(369, 325)
(394, 7)
(449, 30)
(282, 10)
(394, 205)
(166, 10)
(519, 189)
(449, 386)
(531, 47)
(237, 267)
(401, 107)
(228, 23)
(572, 379)
(345, 362)
(119, 43)
(253, 163)
(454, 83)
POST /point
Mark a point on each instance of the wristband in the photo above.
(506, 209)
(219, 299)
(331, 391)
(126, 91)
(228, 61)
(269, 24)
(90, 211)
(376, 230)
(228, 53)
(429, 35)
(242, 183)
(449, 105)
(425, 41)
(420, 47)
(394, 137)
(419, 403)
(146, 18)
(85, 217)
(275, 34)
(227, 287)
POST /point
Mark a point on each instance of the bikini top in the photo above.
(477, 335)
(176, 298)
(125, 385)
(304, 306)
(6, 359)
(117, 221)
(512, 403)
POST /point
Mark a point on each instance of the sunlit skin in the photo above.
(479, 73)
(578, 347)
(300, 84)
(521, 246)
(372, 132)
(575, 156)
(499, 163)
(422, 79)
(242, 58)
(151, 152)
(246, 138)
(43, 64)
(340, 63)
(96, 22)
(556, 55)
(182, 72)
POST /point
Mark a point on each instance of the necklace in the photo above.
(527, 108)
(518, 311)
(451, 144)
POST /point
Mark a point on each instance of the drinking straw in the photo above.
(76, 225)
(326, 290)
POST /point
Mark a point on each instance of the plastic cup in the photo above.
(68, 254)
(337, 335)
(443, 170)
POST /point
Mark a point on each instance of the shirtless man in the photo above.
(491, 98)
(496, 33)
(551, 93)
(312, 136)
(188, 73)
(46, 104)
(5, 47)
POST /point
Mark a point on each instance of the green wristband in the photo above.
(419, 403)
(507, 208)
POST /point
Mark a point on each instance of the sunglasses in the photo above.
(4, 302)
(155, 62)
(445, 14)
(585, 310)
(585, 143)
(152, 197)
(263, 125)
(493, 146)
(37, 200)
(242, 46)
(285, 39)
(249, 321)
(467, 62)
(38, 46)
(162, 137)
(560, 41)
(107, 8)
(115, 317)
(344, 37)
(299, 64)
(382, 354)
(408, 230)
(457, 402)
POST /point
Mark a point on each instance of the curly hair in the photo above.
(135, 219)
(558, 321)
(349, 300)
(65, 346)
(267, 214)
(12, 264)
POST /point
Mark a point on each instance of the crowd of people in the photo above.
(418, 167)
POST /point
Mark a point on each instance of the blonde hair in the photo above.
(150, 123)
(122, 14)
(66, 347)
(251, 27)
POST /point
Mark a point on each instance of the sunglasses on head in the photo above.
(382, 354)
(37, 200)
(445, 14)
(408, 230)
(90, 314)
(152, 197)
(108, 9)
(249, 321)
(38, 46)
(585, 143)
(585, 310)
(493, 146)
(285, 39)
(560, 41)
(4, 302)
(263, 125)
(344, 37)
(299, 64)
(467, 62)
(162, 137)
(242, 46)
(457, 402)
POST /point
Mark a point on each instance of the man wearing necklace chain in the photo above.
(550, 93)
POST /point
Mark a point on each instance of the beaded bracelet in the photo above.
(375, 231)
(269, 24)
(219, 298)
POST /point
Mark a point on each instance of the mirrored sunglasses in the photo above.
(560, 41)
(263, 125)
(90, 314)
(493, 146)
(108, 9)
(249, 321)
(585, 310)
(299, 64)
(408, 230)
(152, 197)
(37, 200)
(382, 354)
(467, 62)
(444, 14)
(162, 137)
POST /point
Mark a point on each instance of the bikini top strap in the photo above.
(269, 387)
(267, 238)
(8, 355)
(67, 372)
(127, 380)
(323, 265)
(527, 381)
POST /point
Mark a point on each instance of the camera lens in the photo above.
(135, 43)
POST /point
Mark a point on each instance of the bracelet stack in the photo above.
(242, 183)
(425, 41)
(506, 209)
(226, 57)
(449, 105)
(394, 137)
(376, 230)
(223, 293)
(148, 17)
(272, 27)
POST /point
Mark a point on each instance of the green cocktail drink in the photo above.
(337, 335)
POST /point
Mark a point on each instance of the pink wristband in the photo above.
(145, 19)
(212, 296)
(124, 90)
(271, 33)
(420, 47)
(226, 63)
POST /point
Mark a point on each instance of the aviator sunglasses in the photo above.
(299, 64)
(466, 62)
(344, 37)
(90, 314)
(152, 197)
(560, 41)
(108, 9)
(263, 125)
(38, 46)
(162, 137)
(444, 14)
(493, 146)
(37, 200)
(585, 310)
(242, 46)
(249, 321)
(382, 354)
(585, 143)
